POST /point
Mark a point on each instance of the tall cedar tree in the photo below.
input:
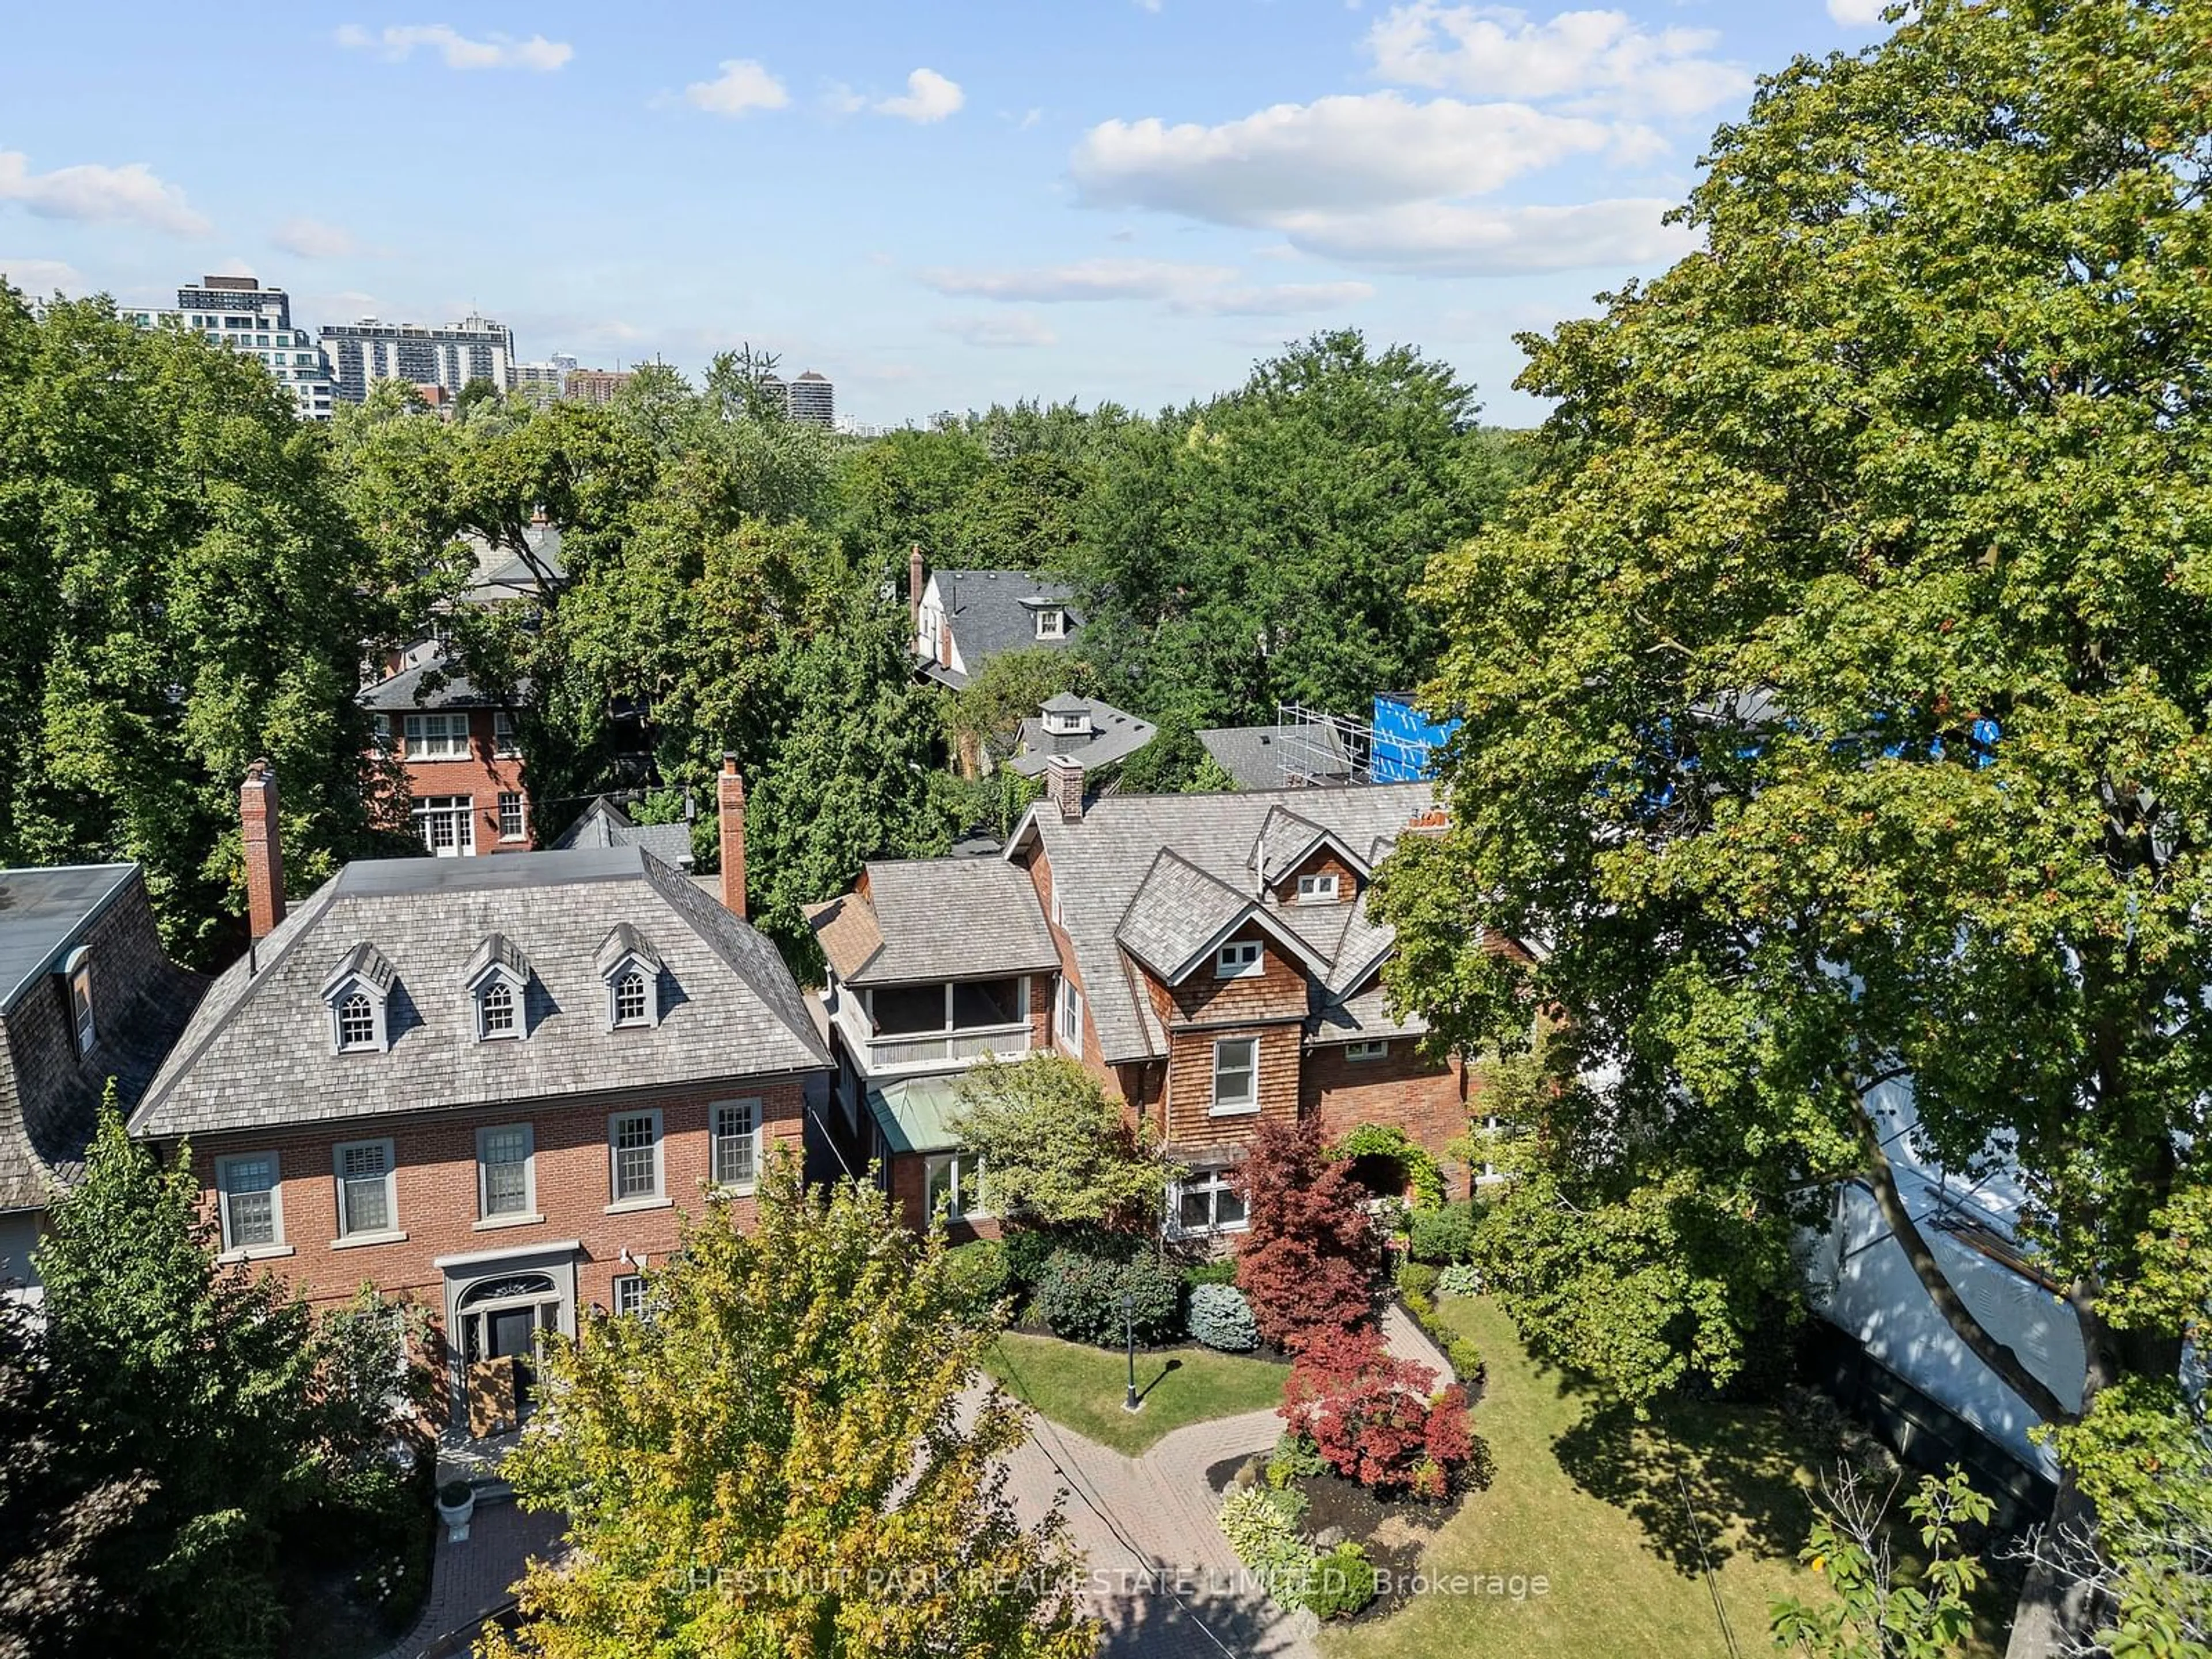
(776, 1458)
(1310, 1262)
(1839, 700)
(169, 1365)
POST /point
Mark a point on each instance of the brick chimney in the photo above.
(1063, 787)
(730, 798)
(913, 583)
(264, 850)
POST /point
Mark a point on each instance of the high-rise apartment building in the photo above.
(237, 312)
(363, 353)
(813, 399)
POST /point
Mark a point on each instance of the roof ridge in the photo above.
(669, 883)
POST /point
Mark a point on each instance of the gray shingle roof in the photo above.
(258, 1052)
(1177, 910)
(938, 919)
(606, 825)
(405, 692)
(1101, 863)
(1114, 736)
(1253, 755)
(41, 910)
(989, 616)
(1363, 1017)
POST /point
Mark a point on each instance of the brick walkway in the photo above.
(470, 1579)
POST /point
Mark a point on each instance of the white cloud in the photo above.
(1857, 14)
(459, 51)
(310, 238)
(1444, 238)
(744, 84)
(1003, 330)
(1089, 279)
(1210, 290)
(90, 191)
(39, 277)
(1594, 59)
(1339, 152)
(929, 97)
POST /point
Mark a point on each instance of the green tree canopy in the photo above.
(1055, 1149)
(775, 1460)
(181, 590)
(1836, 697)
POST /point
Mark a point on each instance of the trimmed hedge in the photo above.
(1080, 1299)
(1418, 1278)
(1220, 1317)
(1222, 1271)
(1442, 1234)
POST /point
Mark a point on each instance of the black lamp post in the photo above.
(1130, 1402)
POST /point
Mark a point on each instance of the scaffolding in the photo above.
(1316, 749)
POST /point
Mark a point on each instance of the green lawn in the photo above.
(1594, 1502)
(1082, 1388)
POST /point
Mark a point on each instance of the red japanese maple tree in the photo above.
(1310, 1263)
(1377, 1420)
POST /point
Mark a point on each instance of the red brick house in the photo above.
(1209, 956)
(493, 1086)
(458, 750)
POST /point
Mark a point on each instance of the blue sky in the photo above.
(935, 205)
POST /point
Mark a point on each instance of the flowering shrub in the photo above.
(1220, 1317)
(1310, 1263)
(1375, 1417)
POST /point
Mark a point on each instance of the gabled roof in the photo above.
(255, 1055)
(924, 919)
(407, 691)
(1181, 914)
(1102, 862)
(602, 824)
(497, 950)
(994, 611)
(365, 963)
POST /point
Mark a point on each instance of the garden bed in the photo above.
(1394, 1531)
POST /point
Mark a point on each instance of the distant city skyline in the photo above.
(1116, 199)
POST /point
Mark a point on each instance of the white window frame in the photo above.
(965, 1170)
(627, 1294)
(483, 1001)
(460, 810)
(346, 1231)
(1051, 621)
(485, 1214)
(521, 804)
(717, 1134)
(1324, 889)
(621, 971)
(225, 1192)
(1363, 1052)
(433, 736)
(1251, 1104)
(378, 1038)
(76, 985)
(1214, 1182)
(658, 1197)
(503, 746)
(1067, 1021)
(1242, 958)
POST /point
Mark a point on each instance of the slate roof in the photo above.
(257, 1054)
(993, 611)
(1177, 910)
(606, 825)
(1114, 736)
(1253, 755)
(1101, 863)
(43, 914)
(1364, 1018)
(936, 919)
(501, 575)
(405, 691)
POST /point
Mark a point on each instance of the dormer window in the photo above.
(1239, 960)
(1318, 890)
(1051, 622)
(76, 974)
(631, 968)
(356, 992)
(497, 978)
